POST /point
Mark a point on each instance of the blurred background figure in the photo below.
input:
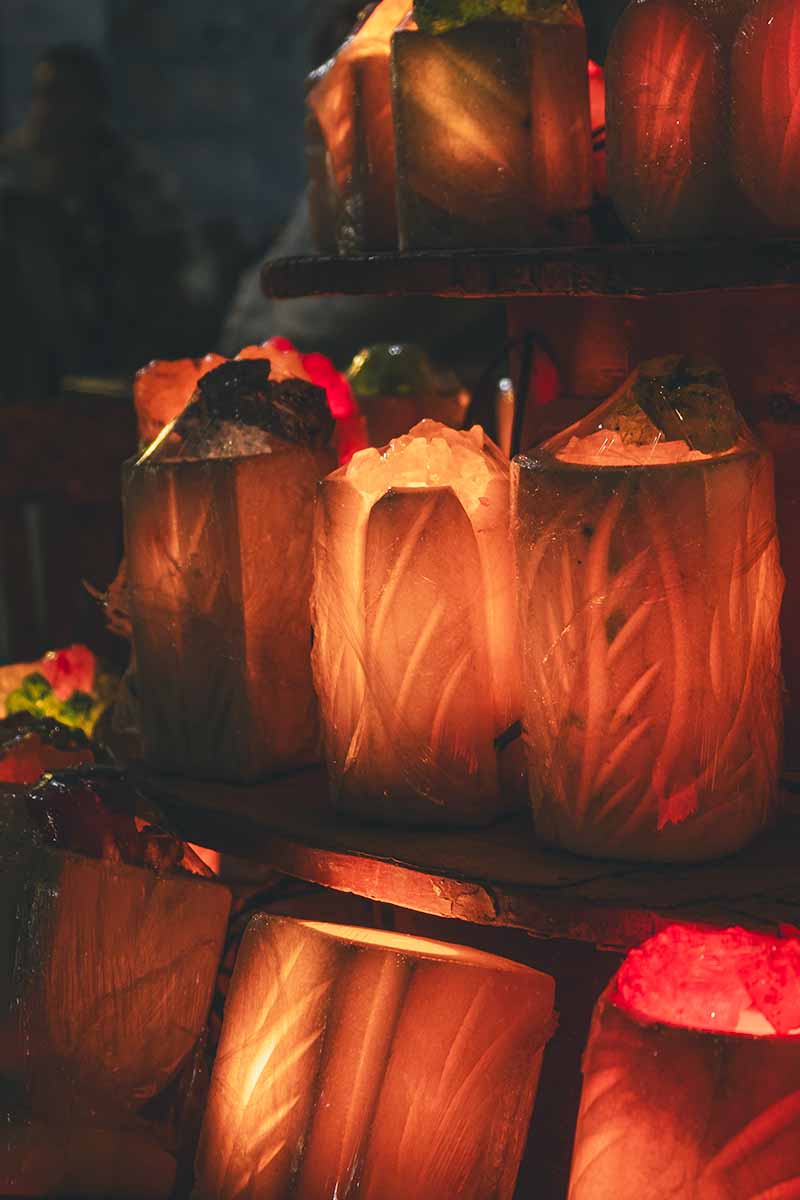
(89, 232)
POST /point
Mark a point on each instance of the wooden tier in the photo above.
(497, 876)
(628, 269)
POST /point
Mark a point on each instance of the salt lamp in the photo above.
(692, 1072)
(397, 385)
(492, 123)
(162, 389)
(109, 978)
(649, 589)
(414, 654)
(351, 151)
(218, 526)
(668, 107)
(357, 1062)
(765, 125)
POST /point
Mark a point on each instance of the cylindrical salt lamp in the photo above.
(351, 151)
(218, 529)
(398, 385)
(415, 648)
(691, 1077)
(668, 105)
(765, 93)
(357, 1062)
(649, 588)
(492, 124)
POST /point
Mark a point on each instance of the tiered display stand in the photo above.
(598, 310)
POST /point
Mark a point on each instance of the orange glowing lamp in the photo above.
(493, 137)
(218, 528)
(650, 589)
(363, 1063)
(414, 657)
(692, 1072)
(351, 138)
(766, 110)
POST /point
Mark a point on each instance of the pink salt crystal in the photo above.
(712, 980)
(69, 670)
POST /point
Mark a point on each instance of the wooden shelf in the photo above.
(496, 876)
(626, 269)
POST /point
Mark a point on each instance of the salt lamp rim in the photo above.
(546, 460)
(419, 946)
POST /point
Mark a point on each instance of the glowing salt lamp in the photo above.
(218, 527)
(492, 122)
(649, 589)
(357, 1062)
(667, 103)
(692, 1072)
(765, 88)
(352, 152)
(414, 652)
(162, 389)
(109, 977)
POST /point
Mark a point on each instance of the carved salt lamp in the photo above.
(649, 589)
(111, 945)
(765, 87)
(668, 105)
(492, 122)
(218, 527)
(351, 138)
(692, 1072)
(414, 655)
(357, 1062)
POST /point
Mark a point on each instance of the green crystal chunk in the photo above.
(687, 397)
(440, 16)
(388, 369)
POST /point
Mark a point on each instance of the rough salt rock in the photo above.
(439, 16)
(429, 455)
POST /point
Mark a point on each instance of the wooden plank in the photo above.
(626, 269)
(496, 876)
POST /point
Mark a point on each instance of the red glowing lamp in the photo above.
(692, 1072)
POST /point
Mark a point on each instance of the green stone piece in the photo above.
(688, 398)
(441, 16)
(388, 369)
